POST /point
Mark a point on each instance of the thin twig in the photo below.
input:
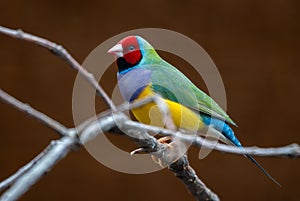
(62, 53)
(26, 108)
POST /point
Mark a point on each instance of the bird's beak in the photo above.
(116, 50)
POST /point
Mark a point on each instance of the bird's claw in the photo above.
(143, 150)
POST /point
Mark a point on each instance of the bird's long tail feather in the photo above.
(262, 169)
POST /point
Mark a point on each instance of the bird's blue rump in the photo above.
(222, 127)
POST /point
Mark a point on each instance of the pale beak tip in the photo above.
(116, 50)
(110, 51)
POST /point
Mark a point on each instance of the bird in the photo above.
(143, 73)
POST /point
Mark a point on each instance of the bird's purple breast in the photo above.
(133, 82)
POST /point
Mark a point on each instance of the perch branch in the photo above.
(290, 151)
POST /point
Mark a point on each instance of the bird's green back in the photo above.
(171, 84)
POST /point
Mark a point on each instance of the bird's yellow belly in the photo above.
(182, 116)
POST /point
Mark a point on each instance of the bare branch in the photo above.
(188, 176)
(49, 122)
(291, 151)
(62, 53)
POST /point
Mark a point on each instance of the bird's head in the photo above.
(132, 51)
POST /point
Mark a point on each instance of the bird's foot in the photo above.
(172, 152)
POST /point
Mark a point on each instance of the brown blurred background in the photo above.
(255, 45)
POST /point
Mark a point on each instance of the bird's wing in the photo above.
(171, 84)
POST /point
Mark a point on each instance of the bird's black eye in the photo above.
(131, 48)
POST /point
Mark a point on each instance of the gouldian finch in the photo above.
(142, 73)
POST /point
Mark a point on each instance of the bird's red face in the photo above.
(127, 50)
